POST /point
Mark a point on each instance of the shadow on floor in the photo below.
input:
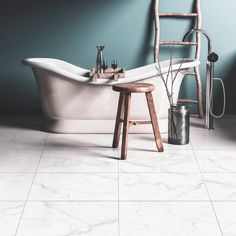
(21, 122)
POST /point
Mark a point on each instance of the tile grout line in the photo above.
(118, 185)
(41, 154)
(210, 200)
(115, 201)
(123, 172)
(114, 172)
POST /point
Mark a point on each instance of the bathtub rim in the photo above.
(40, 63)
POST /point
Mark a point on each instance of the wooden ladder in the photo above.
(197, 43)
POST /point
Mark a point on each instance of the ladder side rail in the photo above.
(157, 30)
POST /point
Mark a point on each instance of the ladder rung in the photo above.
(190, 73)
(139, 122)
(178, 43)
(188, 101)
(175, 14)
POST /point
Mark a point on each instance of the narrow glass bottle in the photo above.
(100, 59)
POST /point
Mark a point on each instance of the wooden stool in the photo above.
(124, 107)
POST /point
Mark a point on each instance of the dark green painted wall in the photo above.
(70, 29)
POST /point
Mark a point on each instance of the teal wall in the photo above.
(70, 29)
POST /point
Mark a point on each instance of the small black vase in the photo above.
(178, 125)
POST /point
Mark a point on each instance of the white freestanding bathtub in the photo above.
(72, 103)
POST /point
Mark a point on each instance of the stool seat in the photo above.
(133, 88)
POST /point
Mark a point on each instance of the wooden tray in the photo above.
(109, 73)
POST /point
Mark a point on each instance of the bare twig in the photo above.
(166, 86)
(179, 69)
(172, 84)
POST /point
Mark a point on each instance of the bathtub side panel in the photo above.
(62, 98)
(65, 99)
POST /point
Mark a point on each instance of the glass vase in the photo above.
(100, 59)
(178, 125)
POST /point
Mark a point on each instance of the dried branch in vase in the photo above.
(170, 75)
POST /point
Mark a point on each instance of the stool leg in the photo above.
(126, 126)
(155, 126)
(117, 130)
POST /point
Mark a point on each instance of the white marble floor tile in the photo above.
(197, 124)
(22, 141)
(19, 160)
(75, 187)
(20, 128)
(10, 213)
(168, 219)
(69, 218)
(161, 187)
(159, 193)
(226, 214)
(78, 160)
(15, 186)
(227, 122)
(221, 187)
(216, 160)
(213, 139)
(145, 142)
(64, 141)
(183, 161)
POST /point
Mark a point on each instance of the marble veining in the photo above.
(169, 219)
(15, 186)
(74, 186)
(10, 213)
(75, 160)
(226, 214)
(182, 161)
(218, 161)
(162, 186)
(71, 218)
(221, 187)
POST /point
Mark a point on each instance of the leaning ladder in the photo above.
(197, 43)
